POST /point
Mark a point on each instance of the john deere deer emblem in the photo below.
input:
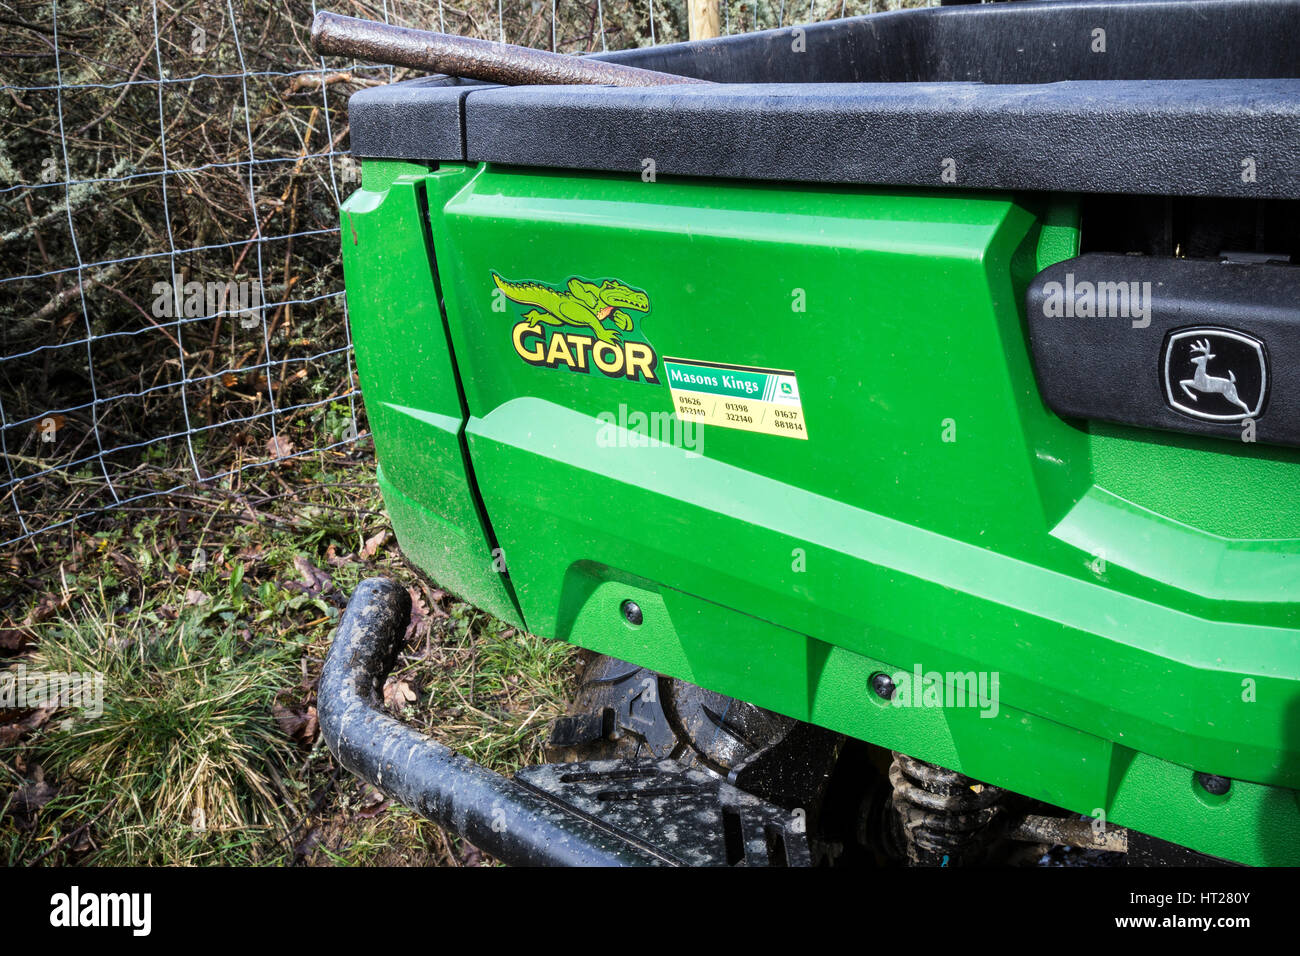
(1215, 374)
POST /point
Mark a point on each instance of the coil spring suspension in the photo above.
(945, 818)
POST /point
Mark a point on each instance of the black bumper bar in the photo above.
(497, 815)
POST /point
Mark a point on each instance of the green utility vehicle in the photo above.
(906, 421)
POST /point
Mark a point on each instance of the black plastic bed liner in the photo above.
(1187, 97)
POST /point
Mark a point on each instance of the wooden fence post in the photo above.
(703, 16)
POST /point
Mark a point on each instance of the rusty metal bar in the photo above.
(472, 58)
(1062, 831)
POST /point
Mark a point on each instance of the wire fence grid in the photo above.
(171, 297)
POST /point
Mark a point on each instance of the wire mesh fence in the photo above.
(171, 302)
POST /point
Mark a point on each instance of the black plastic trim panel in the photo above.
(1183, 137)
(1130, 365)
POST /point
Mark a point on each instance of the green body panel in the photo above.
(414, 405)
(1135, 594)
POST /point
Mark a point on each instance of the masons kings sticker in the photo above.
(736, 396)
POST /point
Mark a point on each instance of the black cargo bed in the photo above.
(1188, 97)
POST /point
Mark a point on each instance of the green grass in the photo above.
(497, 690)
(210, 638)
(183, 748)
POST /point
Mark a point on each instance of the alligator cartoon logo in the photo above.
(584, 304)
(585, 324)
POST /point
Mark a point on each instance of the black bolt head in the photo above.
(883, 685)
(632, 612)
(1213, 783)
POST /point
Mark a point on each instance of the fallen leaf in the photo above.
(125, 565)
(279, 447)
(13, 639)
(421, 621)
(308, 845)
(435, 602)
(336, 560)
(195, 597)
(314, 580)
(298, 723)
(373, 803)
(374, 543)
(398, 694)
(28, 800)
(369, 813)
(48, 604)
(15, 730)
